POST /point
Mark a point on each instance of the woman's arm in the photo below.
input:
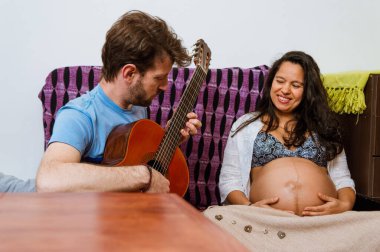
(339, 172)
(234, 174)
(347, 196)
(230, 182)
(238, 198)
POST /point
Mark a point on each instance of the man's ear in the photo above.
(128, 72)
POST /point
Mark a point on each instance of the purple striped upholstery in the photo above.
(227, 94)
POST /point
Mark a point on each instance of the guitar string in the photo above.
(164, 149)
(179, 121)
(173, 137)
(171, 141)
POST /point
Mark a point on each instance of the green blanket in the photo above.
(346, 91)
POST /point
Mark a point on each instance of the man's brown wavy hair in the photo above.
(138, 38)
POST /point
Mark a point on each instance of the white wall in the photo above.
(40, 35)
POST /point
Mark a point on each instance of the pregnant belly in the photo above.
(295, 181)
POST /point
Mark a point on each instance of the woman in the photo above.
(289, 154)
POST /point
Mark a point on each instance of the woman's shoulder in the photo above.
(245, 118)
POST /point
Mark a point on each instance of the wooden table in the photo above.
(107, 222)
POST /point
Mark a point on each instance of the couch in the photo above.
(226, 94)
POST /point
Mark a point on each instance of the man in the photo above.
(138, 55)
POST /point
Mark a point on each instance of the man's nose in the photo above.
(164, 86)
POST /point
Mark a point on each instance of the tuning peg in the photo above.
(195, 54)
(196, 49)
(199, 41)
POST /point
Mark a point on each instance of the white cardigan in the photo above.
(237, 159)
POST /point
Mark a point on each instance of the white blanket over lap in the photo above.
(262, 229)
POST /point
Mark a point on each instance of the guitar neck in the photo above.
(172, 136)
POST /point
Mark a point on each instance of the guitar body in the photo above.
(137, 143)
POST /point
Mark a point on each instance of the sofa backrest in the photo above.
(226, 94)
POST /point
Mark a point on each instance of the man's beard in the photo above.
(138, 95)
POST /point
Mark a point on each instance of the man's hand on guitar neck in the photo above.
(191, 128)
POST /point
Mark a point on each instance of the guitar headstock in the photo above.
(202, 55)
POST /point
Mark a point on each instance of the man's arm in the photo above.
(61, 170)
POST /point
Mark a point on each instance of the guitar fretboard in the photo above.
(172, 136)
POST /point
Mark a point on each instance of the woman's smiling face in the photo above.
(287, 87)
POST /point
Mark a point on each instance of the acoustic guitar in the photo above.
(146, 142)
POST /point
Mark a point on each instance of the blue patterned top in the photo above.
(267, 148)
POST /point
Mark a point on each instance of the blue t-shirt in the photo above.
(86, 121)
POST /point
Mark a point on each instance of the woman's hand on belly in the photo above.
(345, 202)
(266, 203)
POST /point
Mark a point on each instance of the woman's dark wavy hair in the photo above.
(138, 38)
(311, 115)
